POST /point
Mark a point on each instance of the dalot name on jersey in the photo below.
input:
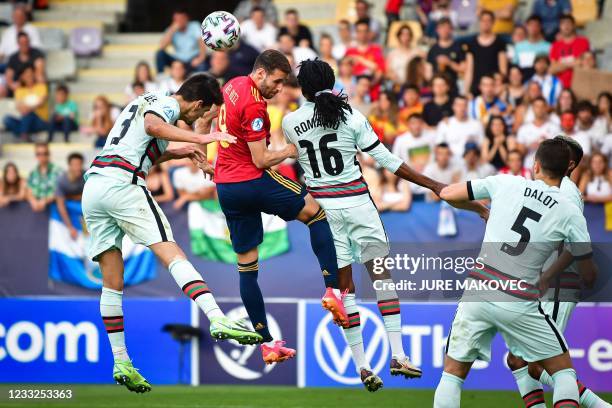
(540, 196)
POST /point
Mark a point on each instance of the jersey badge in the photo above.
(257, 124)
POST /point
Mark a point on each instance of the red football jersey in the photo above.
(244, 115)
(568, 51)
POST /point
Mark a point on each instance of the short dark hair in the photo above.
(486, 12)
(359, 77)
(257, 8)
(554, 156)
(201, 87)
(180, 10)
(22, 34)
(404, 27)
(412, 87)
(270, 60)
(541, 57)
(442, 145)
(444, 20)
(362, 21)
(585, 105)
(75, 155)
(534, 17)
(415, 115)
(62, 88)
(576, 152)
(567, 17)
(291, 11)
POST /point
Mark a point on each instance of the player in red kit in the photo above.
(247, 187)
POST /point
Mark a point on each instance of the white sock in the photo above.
(389, 307)
(111, 310)
(546, 379)
(565, 388)
(353, 333)
(531, 390)
(448, 393)
(192, 284)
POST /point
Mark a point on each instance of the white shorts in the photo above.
(560, 314)
(530, 334)
(112, 208)
(359, 234)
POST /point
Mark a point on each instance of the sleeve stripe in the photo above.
(470, 191)
(372, 146)
(156, 114)
(583, 257)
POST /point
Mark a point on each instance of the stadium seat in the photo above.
(53, 39)
(61, 65)
(417, 32)
(584, 11)
(86, 41)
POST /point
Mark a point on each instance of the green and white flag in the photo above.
(210, 235)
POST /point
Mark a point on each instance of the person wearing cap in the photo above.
(473, 168)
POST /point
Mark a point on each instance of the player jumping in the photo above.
(247, 187)
(329, 135)
(116, 202)
(524, 214)
(564, 295)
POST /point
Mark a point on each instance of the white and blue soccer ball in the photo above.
(220, 31)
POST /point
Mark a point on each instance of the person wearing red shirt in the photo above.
(247, 187)
(368, 58)
(392, 10)
(566, 51)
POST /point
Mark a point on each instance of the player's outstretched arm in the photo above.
(264, 158)
(457, 195)
(157, 127)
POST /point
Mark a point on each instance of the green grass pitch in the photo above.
(107, 396)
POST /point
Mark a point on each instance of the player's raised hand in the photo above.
(211, 114)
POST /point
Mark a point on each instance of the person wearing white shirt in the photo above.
(8, 43)
(442, 169)
(257, 32)
(191, 185)
(530, 135)
(459, 129)
(346, 40)
(172, 83)
(586, 133)
(286, 45)
(415, 147)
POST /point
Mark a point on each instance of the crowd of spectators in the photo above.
(454, 104)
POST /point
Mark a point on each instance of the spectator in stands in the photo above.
(596, 183)
(346, 39)
(604, 112)
(524, 113)
(9, 44)
(360, 100)
(588, 60)
(383, 117)
(65, 115)
(345, 81)
(399, 57)
(566, 102)
(12, 188)
(287, 46)
(503, 11)
(25, 57)
(525, 52)
(487, 103)
(473, 167)
(551, 11)
(519, 34)
(441, 10)
(442, 169)
(459, 129)
(392, 195)
(550, 85)
(178, 74)
(142, 75)
(101, 120)
(220, 67)
(515, 166)
(158, 183)
(423, 8)
(42, 181)
(392, 10)
(486, 54)
(416, 74)
(191, 185)
(242, 58)
(495, 144)
(531, 134)
(185, 38)
(587, 134)
(244, 8)
(362, 11)
(441, 105)
(256, 31)
(411, 103)
(31, 103)
(326, 45)
(70, 186)
(367, 56)
(566, 50)
(301, 34)
(514, 89)
(446, 56)
(415, 146)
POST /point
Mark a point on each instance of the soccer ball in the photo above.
(220, 31)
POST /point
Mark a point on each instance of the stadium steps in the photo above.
(88, 5)
(107, 17)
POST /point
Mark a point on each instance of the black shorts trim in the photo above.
(372, 146)
(158, 220)
(554, 329)
(470, 191)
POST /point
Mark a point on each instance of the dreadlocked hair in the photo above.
(316, 78)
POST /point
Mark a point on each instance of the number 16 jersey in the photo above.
(328, 156)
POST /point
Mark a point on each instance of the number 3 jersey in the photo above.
(328, 156)
(129, 152)
(527, 222)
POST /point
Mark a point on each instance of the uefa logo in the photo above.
(333, 354)
(244, 362)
